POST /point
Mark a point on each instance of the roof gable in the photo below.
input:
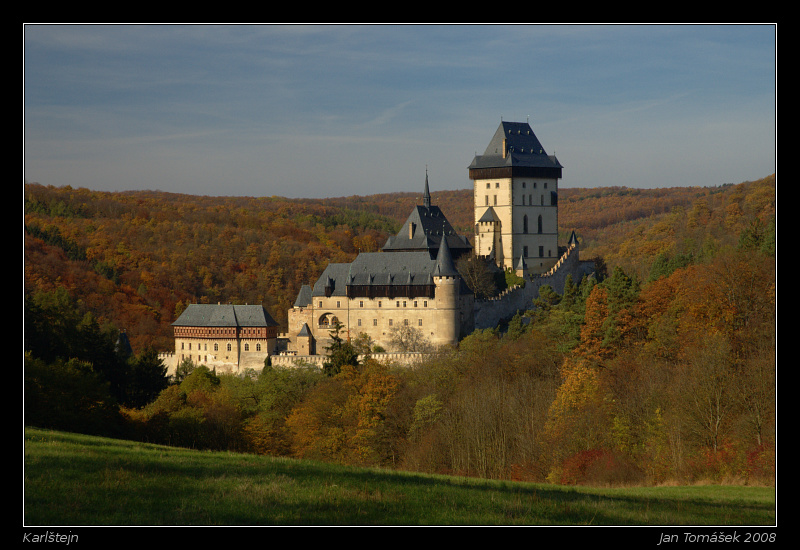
(425, 228)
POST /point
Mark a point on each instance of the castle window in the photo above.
(486, 201)
(247, 347)
(379, 304)
(404, 303)
(374, 322)
(216, 347)
(405, 322)
(523, 185)
(497, 185)
(539, 224)
(525, 224)
(398, 303)
(495, 200)
(525, 251)
(425, 303)
(258, 347)
(229, 347)
(338, 303)
(415, 303)
(361, 303)
(359, 322)
(419, 322)
(390, 322)
(541, 251)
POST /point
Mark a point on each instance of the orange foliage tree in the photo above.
(341, 419)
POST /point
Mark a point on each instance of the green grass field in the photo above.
(80, 480)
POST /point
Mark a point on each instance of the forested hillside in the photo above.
(136, 259)
(660, 369)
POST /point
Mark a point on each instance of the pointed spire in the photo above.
(573, 238)
(426, 198)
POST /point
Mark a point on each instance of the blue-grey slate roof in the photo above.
(303, 297)
(523, 149)
(428, 227)
(225, 315)
(386, 268)
(489, 216)
(406, 259)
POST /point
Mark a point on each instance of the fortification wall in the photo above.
(291, 360)
(490, 312)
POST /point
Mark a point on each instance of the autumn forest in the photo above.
(659, 369)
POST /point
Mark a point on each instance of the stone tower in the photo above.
(448, 286)
(516, 200)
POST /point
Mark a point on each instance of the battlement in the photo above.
(490, 312)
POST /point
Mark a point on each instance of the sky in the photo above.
(340, 110)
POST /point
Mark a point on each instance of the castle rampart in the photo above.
(490, 312)
(290, 360)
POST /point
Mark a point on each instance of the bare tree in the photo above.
(405, 338)
(478, 275)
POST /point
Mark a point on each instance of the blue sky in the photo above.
(332, 110)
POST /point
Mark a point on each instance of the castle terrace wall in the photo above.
(492, 311)
(406, 359)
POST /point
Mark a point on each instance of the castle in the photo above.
(412, 286)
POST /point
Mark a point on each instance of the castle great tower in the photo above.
(516, 200)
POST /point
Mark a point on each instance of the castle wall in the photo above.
(294, 361)
(246, 353)
(490, 312)
(441, 319)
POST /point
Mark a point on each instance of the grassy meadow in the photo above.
(79, 480)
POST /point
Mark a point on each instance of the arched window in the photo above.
(540, 224)
(525, 224)
(229, 347)
(247, 347)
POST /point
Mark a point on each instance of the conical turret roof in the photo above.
(444, 262)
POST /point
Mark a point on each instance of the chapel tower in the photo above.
(516, 200)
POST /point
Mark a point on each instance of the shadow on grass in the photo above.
(90, 481)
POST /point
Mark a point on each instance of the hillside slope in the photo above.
(137, 258)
